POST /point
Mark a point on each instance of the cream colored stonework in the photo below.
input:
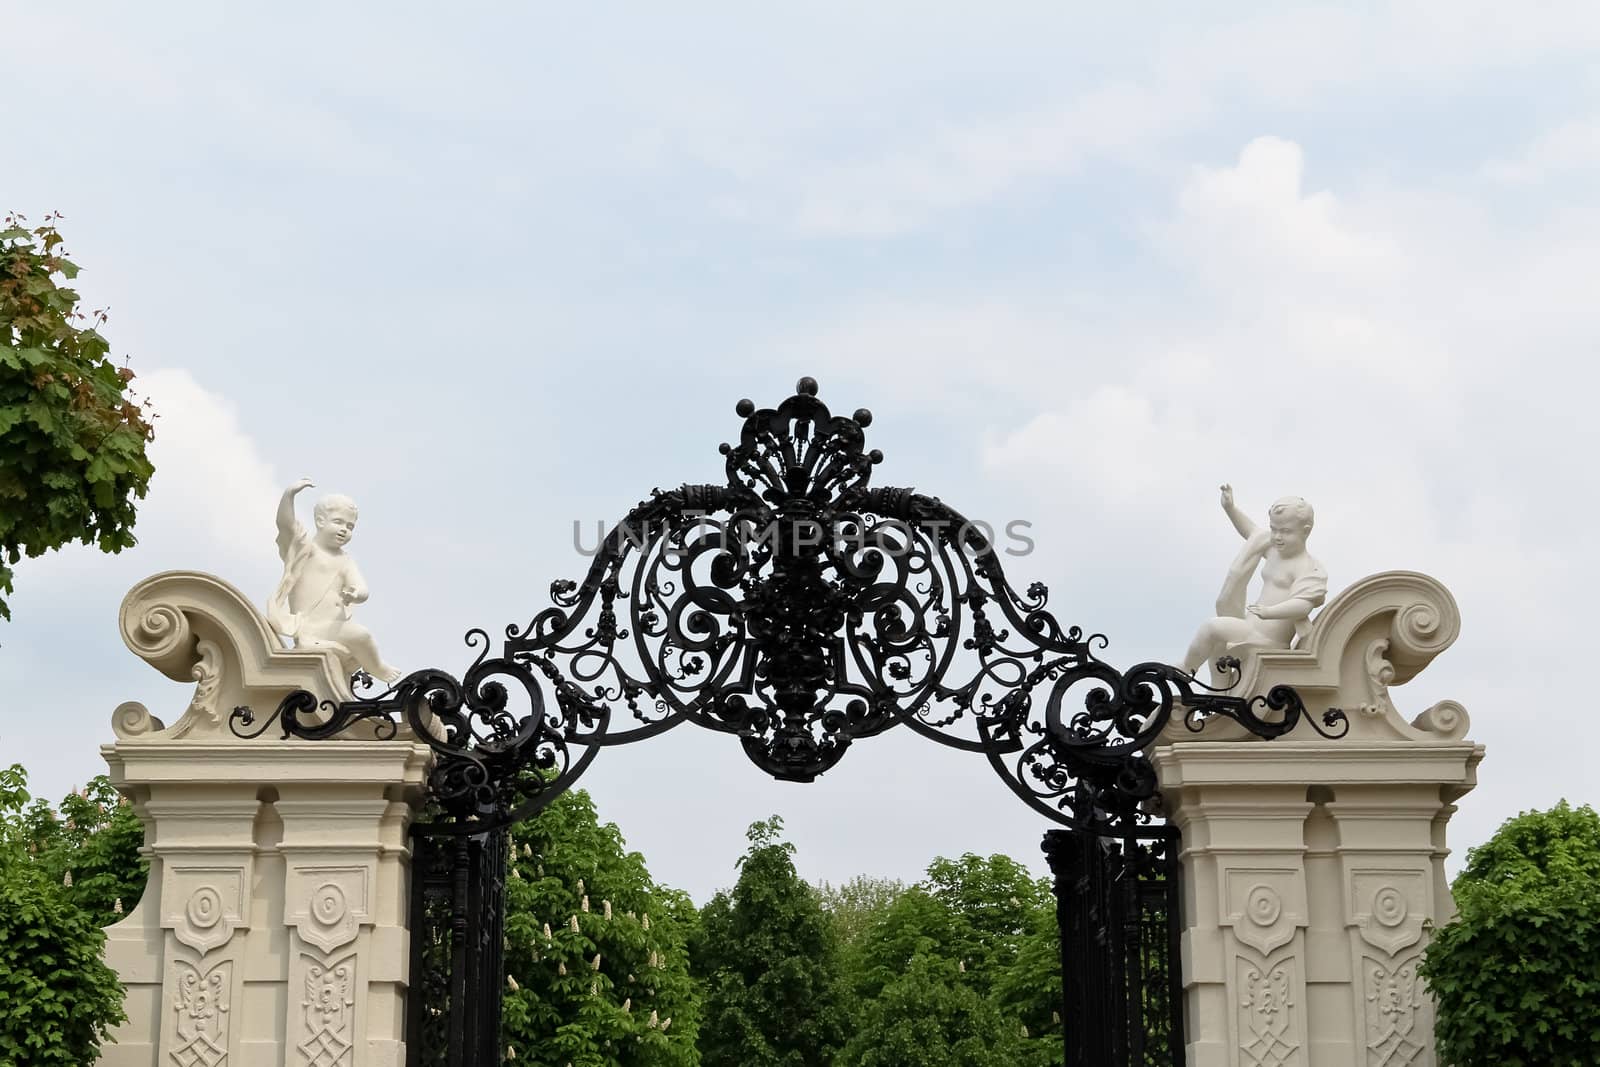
(272, 930)
(1313, 869)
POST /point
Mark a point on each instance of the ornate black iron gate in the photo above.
(457, 948)
(801, 610)
(1119, 909)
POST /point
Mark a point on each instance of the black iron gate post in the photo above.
(1081, 917)
(802, 610)
(457, 948)
(1119, 909)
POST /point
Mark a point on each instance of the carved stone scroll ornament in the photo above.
(327, 922)
(1446, 720)
(1267, 1003)
(327, 1008)
(202, 710)
(1266, 966)
(334, 908)
(1259, 917)
(1379, 632)
(1395, 1007)
(202, 1005)
(1390, 919)
(211, 908)
(197, 628)
(201, 962)
(133, 719)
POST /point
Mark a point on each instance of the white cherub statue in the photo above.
(320, 582)
(1293, 584)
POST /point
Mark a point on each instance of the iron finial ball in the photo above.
(745, 408)
(806, 386)
(876, 455)
(863, 417)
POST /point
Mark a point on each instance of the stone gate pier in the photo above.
(1313, 868)
(273, 929)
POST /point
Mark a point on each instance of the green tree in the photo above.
(767, 958)
(978, 912)
(1516, 976)
(991, 905)
(91, 843)
(856, 905)
(980, 931)
(72, 437)
(595, 950)
(1027, 989)
(58, 999)
(929, 1016)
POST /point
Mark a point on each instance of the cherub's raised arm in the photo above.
(1240, 520)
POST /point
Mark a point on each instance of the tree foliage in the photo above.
(595, 950)
(977, 936)
(856, 905)
(930, 1016)
(1516, 976)
(91, 843)
(72, 437)
(58, 999)
(766, 956)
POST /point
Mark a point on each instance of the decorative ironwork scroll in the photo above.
(802, 609)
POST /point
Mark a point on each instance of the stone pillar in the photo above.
(1313, 868)
(273, 928)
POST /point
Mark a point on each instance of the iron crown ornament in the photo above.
(802, 609)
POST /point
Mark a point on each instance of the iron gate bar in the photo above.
(1117, 905)
(800, 609)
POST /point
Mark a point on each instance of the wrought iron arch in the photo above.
(801, 609)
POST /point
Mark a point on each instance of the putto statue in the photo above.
(320, 583)
(1293, 584)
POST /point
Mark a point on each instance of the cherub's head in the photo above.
(1290, 520)
(335, 516)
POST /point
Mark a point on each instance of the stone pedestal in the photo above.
(272, 930)
(1313, 869)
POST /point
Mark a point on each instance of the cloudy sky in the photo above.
(499, 272)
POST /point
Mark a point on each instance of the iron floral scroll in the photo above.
(802, 609)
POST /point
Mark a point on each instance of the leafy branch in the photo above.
(72, 431)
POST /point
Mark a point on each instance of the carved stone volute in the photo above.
(195, 627)
(1380, 632)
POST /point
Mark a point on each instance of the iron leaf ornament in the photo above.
(800, 608)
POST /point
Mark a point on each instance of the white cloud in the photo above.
(1118, 443)
(955, 166)
(921, 168)
(1254, 227)
(210, 474)
(210, 501)
(1573, 147)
